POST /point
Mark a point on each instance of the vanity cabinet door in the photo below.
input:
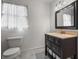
(68, 46)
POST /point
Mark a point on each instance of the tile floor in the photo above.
(31, 54)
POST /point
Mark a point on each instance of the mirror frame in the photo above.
(75, 4)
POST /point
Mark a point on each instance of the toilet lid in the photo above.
(11, 51)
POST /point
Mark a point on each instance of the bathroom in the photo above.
(40, 19)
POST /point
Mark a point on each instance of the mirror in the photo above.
(65, 18)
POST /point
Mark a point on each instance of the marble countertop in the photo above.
(63, 36)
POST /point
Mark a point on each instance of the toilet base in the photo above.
(12, 53)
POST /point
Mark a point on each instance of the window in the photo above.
(67, 20)
(14, 16)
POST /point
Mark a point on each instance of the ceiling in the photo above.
(24, 2)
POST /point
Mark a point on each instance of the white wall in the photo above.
(39, 24)
(52, 9)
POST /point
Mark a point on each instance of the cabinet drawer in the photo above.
(58, 42)
(51, 39)
(54, 40)
(49, 44)
(48, 37)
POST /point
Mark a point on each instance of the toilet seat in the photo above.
(12, 51)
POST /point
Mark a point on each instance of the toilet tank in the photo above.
(14, 41)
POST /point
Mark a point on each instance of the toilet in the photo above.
(14, 51)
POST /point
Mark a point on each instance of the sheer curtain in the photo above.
(14, 16)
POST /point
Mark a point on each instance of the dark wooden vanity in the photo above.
(62, 45)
